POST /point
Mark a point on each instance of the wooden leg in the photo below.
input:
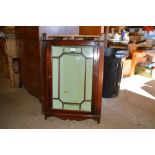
(98, 120)
(46, 117)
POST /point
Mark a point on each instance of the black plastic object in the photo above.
(108, 52)
(113, 71)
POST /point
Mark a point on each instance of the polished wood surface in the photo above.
(28, 47)
(90, 30)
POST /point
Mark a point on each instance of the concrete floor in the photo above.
(133, 108)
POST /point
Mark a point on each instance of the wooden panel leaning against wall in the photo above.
(29, 58)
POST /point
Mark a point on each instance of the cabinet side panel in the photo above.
(29, 57)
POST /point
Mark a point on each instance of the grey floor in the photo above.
(19, 109)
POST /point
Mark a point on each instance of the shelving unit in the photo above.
(9, 55)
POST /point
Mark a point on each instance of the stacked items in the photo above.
(8, 61)
(8, 55)
(146, 68)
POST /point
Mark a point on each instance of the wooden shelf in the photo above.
(73, 37)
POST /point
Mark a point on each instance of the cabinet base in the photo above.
(96, 118)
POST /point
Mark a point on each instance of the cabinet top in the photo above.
(71, 37)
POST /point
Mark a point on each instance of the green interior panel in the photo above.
(57, 104)
(72, 71)
(57, 51)
(71, 107)
(76, 49)
(55, 78)
(75, 77)
(86, 106)
(87, 51)
(89, 75)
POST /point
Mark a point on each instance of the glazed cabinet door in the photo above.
(72, 71)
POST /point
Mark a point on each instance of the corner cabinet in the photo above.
(73, 77)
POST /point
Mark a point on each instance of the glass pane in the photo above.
(57, 51)
(71, 106)
(55, 78)
(86, 106)
(74, 79)
(89, 74)
(72, 71)
(87, 51)
(76, 49)
(57, 104)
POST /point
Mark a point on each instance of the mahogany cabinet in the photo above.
(73, 76)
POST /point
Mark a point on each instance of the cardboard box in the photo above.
(136, 37)
(141, 70)
(126, 67)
